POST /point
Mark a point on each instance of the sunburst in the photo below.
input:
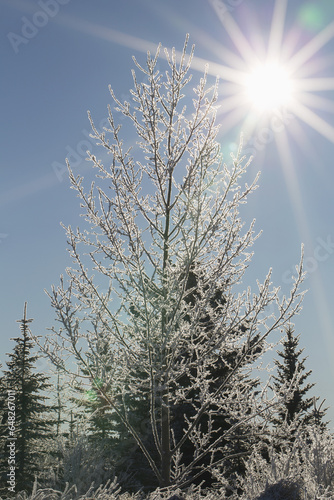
(269, 87)
(273, 80)
(262, 89)
(252, 81)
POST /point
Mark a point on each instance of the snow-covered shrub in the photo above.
(192, 493)
(317, 457)
(82, 464)
(303, 469)
(283, 490)
(110, 491)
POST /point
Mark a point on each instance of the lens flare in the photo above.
(312, 17)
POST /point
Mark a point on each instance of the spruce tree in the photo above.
(94, 407)
(291, 370)
(127, 455)
(33, 424)
(92, 423)
(240, 437)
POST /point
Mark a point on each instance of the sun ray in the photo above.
(315, 101)
(277, 29)
(208, 41)
(299, 135)
(126, 40)
(227, 89)
(248, 127)
(236, 35)
(30, 188)
(109, 34)
(284, 151)
(216, 69)
(314, 84)
(231, 102)
(324, 312)
(315, 66)
(235, 78)
(231, 120)
(302, 225)
(311, 47)
(223, 53)
(312, 119)
(258, 43)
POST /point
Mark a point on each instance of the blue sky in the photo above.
(58, 58)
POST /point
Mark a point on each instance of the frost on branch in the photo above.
(156, 276)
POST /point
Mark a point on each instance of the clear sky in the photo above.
(57, 59)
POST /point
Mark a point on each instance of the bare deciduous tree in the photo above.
(164, 209)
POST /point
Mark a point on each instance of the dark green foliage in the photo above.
(238, 443)
(94, 411)
(33, 424)
(240, 440)
(91, 407)
(296, 408)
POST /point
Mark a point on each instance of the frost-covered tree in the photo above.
(32, 419)
(126, 452)
(162, 209)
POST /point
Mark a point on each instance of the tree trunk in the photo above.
(165, 440)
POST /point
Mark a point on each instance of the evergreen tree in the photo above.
(127, 455)
(92, 424)
(239, 437)
(94, 407)
(296, 409)
(103, 426)
(33, 424)
(59, 405)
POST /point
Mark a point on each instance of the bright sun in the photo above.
(268, 87)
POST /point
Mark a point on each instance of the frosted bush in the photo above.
(110, 491)
(283, 490)
(304, 469)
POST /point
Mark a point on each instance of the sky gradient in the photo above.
(58, 58)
